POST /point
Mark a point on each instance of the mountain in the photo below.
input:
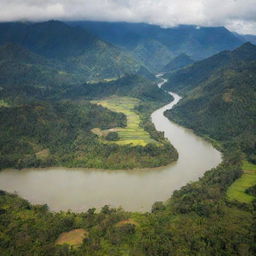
(246, 38)
(129, 85)
(250, 38)
(221, 104)
(179, 62)
(139, 38)
(80, 52)
(22, 72)
(186, 79)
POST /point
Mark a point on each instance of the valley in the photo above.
(195, 157)
(101, 156)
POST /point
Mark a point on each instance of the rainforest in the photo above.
(125, 138)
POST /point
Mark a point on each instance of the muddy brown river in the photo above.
(133, 190)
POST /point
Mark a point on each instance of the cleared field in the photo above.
(73, 238)
(237, 190)
(133, 133)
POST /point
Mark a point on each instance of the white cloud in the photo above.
(238, 15)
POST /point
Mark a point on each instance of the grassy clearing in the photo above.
(133, 133)
(237, 190)
(4, 104)
(73, 238)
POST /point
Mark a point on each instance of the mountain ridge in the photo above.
(197, 42)
(80, 51)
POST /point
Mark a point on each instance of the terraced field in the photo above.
(133, 133)
(237, 191)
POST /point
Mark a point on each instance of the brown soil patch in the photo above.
(124, 222)
(73, 238)
(227, 97)
(42, 154)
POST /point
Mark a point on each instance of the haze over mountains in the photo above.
(73, 49)
(54, 74)
(97, 50)
(144, 40)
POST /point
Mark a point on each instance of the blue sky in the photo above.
(236, 15)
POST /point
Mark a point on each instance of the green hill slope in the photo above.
(155, 46)
(20, 66)
(186, 79)
(221, 103)
(79, 51)
(179, 62)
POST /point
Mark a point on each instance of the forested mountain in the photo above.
(55, 124)
(145, 41)
(45, 64)
(246, 38)
(186, 79)
(220, 98)
(129, 85)
(179, 62)
(20, 67)
(250, 38)
(78, 51)
(49, 85)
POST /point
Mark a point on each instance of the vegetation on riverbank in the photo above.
(243, 190)
(55, 129)
(197, 220)
(219, 99)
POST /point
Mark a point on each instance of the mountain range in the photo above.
(155, 46)
(219, 98)
(73, 49)
(91, 51)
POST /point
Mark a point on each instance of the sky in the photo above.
(236, 15)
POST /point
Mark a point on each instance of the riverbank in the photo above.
(134, 190)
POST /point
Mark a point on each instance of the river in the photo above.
(134, 190)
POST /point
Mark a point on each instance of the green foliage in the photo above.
(130, 85)
(155, 46)
(54, 134)
(112, 136)
(197, 220)
(189, 78)
(243, 189)
(222, 105)
(76, 52)
(180, 61)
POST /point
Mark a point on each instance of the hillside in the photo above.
(221, 103)
(187, 79)
(180, 61)
(20, 67)
(129, 85)
(55, 126)
(144, 40)
(79, 51)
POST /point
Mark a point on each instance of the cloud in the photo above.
(237, 15)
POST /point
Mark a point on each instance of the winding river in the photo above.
(133, 190)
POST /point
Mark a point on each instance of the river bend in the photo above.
(134, 190)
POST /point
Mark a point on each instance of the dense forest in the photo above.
(197, 220)
(55, 127)
(155, 46)
(220, 99)
(73, 49)
(48, 111)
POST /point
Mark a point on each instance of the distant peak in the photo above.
(247, 45)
